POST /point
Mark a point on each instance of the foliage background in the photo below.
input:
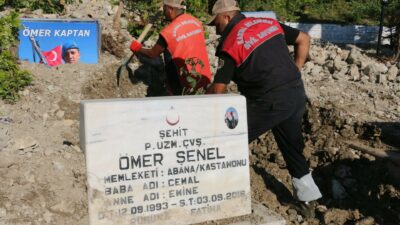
(12, 79)
(361, 12)
(48, 6)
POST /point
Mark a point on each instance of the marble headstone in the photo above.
(166, 160)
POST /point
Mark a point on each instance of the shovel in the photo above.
(126, 62)
(392, 155)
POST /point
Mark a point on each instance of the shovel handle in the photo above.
(144, 32)
(140, 39)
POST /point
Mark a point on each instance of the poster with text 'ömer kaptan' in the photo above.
(166, 160)
(54, 42)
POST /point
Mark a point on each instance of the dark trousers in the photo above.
(282, 111)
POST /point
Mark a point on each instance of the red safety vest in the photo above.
(247, 35)
(185, 40)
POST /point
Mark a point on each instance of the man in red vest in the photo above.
(182, 41)
(253, 53)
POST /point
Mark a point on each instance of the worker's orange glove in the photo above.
(135, 46)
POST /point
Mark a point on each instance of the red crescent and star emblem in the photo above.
(172, 117)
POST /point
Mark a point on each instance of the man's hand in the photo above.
(216, 88)
(135, 46)
(301, 49)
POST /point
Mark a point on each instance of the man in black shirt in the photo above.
(253, 53)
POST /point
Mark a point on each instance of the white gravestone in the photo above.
(166, 160)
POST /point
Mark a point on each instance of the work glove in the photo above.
(135, 46)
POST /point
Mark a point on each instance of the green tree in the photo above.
(48, 6)
(12, 79)
(392, 20)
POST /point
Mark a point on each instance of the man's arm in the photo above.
(216, 88)
(301, 48)
(300, 41)
(152, 52)
(157, 49)
(223, 75)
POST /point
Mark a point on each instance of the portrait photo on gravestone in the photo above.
(55, 42)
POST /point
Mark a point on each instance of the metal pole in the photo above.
(378, 47)
(36, 47)
(38, 50)
(34, 54)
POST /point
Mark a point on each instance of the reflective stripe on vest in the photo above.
(247, 35)
(185, 40)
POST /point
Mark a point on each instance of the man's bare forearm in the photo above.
(152, 52)
(216, 88)
(301, 49)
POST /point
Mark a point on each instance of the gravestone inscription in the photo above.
(166, 160)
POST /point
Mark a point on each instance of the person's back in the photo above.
(183, 43)
(266, 63)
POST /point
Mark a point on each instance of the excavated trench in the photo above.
(358, 188)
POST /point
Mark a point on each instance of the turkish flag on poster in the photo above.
(53, 57)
